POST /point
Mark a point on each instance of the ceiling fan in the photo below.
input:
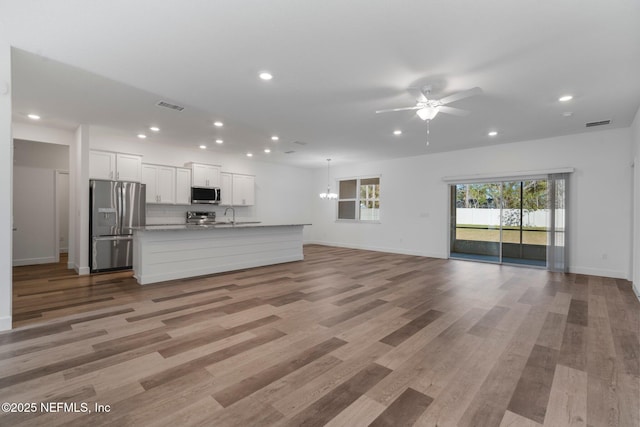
(429, 108)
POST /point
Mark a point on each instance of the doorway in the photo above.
(516, 221)
(40, 202)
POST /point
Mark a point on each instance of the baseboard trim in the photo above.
(636, 290)
(599, 272)
(377, 249)
(33, 261)
(82, 271)
(5, 323)
(577, 270)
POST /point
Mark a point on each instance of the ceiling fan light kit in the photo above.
(428, 113)
(427, 108)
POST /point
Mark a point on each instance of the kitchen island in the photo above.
(168, 252)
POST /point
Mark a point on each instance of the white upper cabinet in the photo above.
(205, 175)
(226, 189)
(183, 186)
(243, 190)
(115, 166)
(102, 165)
(160, 182)
(128, 167)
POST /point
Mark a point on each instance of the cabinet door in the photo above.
(102, 165)
(243, 190)
(183, 186)
(226, 189)
(150, 179)
(166, 185)
(249, 195)
(200, 175)
(213, 174)
(129, 167)
(206, 175)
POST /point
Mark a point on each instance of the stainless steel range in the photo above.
(201, 218)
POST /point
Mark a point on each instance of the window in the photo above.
(359, 199)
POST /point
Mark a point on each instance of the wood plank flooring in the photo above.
(343, 338)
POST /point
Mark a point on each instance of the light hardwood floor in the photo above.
(343, 338)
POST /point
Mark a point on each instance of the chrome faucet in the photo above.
(233, 221)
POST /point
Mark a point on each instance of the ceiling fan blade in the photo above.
(398, 109)
(460, 95)
(417, 93)
(455, 111)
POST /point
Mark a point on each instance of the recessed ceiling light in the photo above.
(267, 150)
(142, 136)
(33, 116)
(204, 147)
(219, 141)
(565, 98)
(274, 138)
(218, 124)
(266, 75)
(249, 154)
(567, 114)
(154, 129)
(492, 133)
(397, 132)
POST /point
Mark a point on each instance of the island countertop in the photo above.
(215, 226)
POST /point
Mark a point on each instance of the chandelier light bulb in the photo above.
(328, 195)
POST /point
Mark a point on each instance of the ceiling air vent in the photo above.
(289, 152)
(600, 123)
(169, 105)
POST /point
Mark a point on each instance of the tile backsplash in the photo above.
(176, 214)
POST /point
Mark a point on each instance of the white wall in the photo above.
(414, 199)
(635, 262)
(34, 216)
(40, 155)
(6, 172)
(33, 132)
(282, 192)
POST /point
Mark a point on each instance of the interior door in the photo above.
(34, 216)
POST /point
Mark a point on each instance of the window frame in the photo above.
(357, 199)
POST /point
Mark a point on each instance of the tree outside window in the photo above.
(359, 199)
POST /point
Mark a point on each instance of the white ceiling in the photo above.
(106, 62)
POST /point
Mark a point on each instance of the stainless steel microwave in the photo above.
(203, 195)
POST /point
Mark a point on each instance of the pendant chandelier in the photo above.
(328, 195)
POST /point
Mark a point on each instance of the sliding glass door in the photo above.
(519, 221)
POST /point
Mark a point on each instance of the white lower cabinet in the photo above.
(160, 182)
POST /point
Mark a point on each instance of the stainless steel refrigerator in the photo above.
(116, 207)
